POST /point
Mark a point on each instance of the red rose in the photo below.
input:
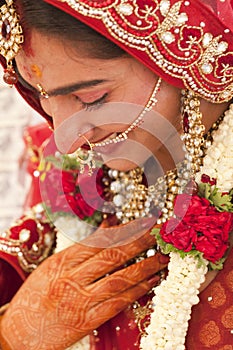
(56, 188)
(59, 181)
(198, 225)
(213, 248)
(89, 191)
(206, 179)
(68, 181)
(91, 186)
(190, 205)
(80, 194)
(82, 208)
(178, 234)
(50, 186)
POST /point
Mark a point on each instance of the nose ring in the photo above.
(86, 161)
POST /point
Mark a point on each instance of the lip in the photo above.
(105, 149)
(87, 147)
(110, 149)
(106, 138)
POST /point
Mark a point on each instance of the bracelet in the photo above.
(30, 240)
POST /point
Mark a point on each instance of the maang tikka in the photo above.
(11, 38)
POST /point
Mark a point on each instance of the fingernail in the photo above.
(154, 280)
(148, 223)
(164, 259)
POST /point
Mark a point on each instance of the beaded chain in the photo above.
(132, 199)
(138, 121)
(193, 130)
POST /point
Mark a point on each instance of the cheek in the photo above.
(60, 108)
(46, 106)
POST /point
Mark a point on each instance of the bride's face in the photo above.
(99, 99)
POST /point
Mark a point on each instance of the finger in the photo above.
(125, 279)
(106, 237)
(109, 259)
(94, 317)
(106, 310)
(73, 256)
(86, 262)
(103, 237)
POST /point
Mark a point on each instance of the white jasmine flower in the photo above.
(177, 294)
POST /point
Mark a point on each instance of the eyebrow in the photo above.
(65, 89)
(75, 87)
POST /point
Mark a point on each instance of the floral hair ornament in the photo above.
(184, 42)
(11, 38)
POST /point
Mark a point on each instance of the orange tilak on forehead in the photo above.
(36, 70)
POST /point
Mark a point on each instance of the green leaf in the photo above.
(204, 190)
(167, 248)
(218, 265)
(222, 201)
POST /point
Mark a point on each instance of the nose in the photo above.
(71, 126)
(59, 108)
(68, 138)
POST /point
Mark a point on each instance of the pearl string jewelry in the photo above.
(193, 130)
(174, 298)
(131, 199)
(138, 121)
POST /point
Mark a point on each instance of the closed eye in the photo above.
(90, 106)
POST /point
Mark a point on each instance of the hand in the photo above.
(80, 288)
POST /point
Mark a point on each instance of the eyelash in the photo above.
(95, 104)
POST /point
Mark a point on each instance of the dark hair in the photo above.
(36, 14)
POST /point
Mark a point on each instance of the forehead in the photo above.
(52, 60)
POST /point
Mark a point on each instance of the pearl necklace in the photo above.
(132, 199)
(177, 294)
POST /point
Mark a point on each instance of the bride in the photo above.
(138, 173)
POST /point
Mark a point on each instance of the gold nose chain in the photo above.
(137, 122)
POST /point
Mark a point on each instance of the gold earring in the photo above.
(88, 160)
(42, 91)
(11, 38)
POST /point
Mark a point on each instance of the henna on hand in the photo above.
(78, 289)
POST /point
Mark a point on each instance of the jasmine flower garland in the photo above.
(172, 304)
(193, 245)
(83, 344)
(196, 238)
(218, 162)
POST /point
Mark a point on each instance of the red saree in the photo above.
(211, 325)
